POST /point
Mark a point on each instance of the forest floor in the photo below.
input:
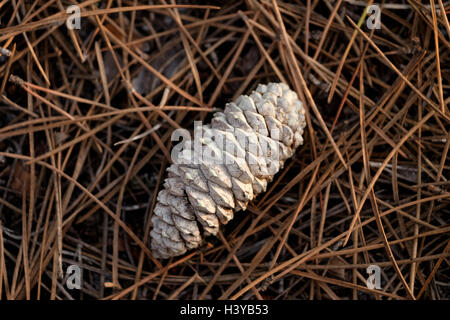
(88, 105)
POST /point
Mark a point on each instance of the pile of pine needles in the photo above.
(86, 117)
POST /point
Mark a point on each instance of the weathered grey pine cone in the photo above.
(248, 144)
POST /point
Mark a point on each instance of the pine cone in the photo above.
(218, 173)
